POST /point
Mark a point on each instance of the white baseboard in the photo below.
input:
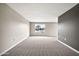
(13, 46)
(68, 46)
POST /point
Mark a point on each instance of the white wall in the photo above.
(13, 28)
(50, 30)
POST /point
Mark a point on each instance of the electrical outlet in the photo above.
(65, 38)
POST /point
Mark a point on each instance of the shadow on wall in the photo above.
(68, 24)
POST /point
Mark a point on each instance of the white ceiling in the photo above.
(41, 12)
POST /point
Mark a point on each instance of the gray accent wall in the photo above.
(50, 29)
(13, 28)
(68, 27)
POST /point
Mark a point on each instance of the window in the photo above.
(39, 27)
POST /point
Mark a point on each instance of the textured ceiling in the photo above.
(41, 12)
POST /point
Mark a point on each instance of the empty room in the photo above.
(39, 29)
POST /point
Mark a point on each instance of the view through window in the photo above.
(39, 27)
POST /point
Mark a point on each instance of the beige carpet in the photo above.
(40, 46)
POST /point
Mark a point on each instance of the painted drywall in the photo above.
(13, 28)
(51, 29)
(68, 24)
